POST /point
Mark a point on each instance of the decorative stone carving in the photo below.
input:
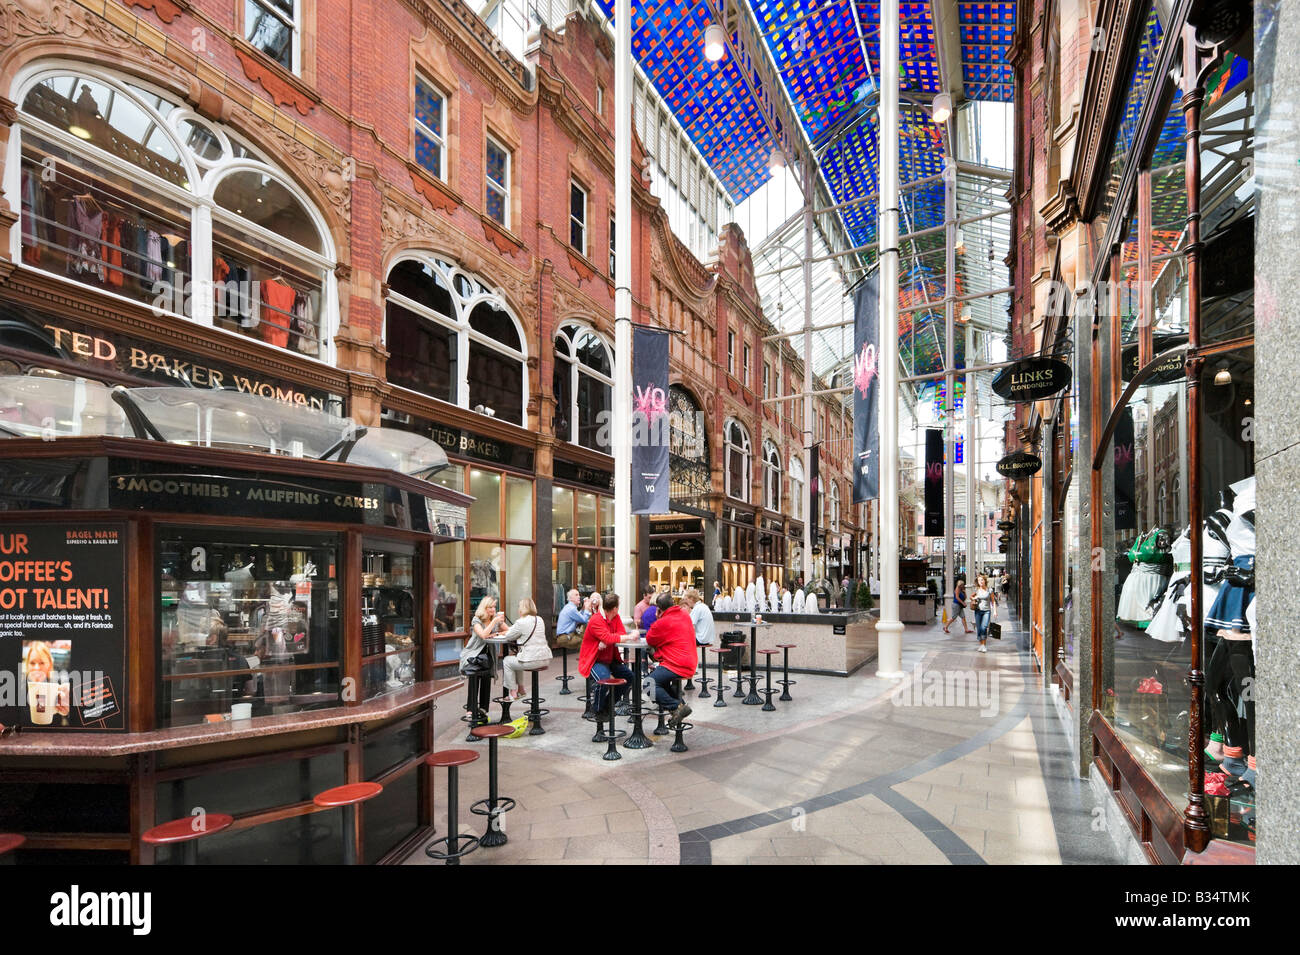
(500, 240)
(20, 19)
(280, 89)
(167, 10)
(584, 271)
(434, 193)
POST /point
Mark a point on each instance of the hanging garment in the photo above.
(1228, 612)
(86, 224)
(1144, 584)
(112, 244)
(306, 337)
(149, 244)
(278, 298)
(33, 209)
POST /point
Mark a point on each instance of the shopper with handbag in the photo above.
(476, 657)
(528, 633)
(959, 604)
(984, 601)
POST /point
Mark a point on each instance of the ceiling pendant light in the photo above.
(1223, 376)
(715, 43)
(941, 108)
(775, 160)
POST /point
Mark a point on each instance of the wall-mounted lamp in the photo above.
(775, 160)
(941, 108)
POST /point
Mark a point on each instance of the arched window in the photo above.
(796, 488)
(835, 507)
(739, 460)
(453, 338)
(584, 387)
(771, 476)
(129, 192)
(688, 455)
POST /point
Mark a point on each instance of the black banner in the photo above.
(63, 626)
(1125, 473)
(650, 431)
(933, 482)
(866, 392)
(814, 493)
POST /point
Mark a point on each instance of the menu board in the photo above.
(63, 626)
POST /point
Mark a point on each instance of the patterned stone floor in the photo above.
(964, 762)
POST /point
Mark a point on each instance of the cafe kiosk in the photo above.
(215, 602)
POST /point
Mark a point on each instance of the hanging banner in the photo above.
(933, 482)
(1031, 379)
(650, 431)
(814, 493)
(1125, 473)
(866, 392)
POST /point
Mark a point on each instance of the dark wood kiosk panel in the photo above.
(212, 602)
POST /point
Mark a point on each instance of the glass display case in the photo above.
(390, 644)
(246, 621)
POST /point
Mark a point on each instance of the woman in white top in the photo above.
(528, 633)
(985, 601)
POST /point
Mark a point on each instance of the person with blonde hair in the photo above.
(488, 622)
(985, 603)
(528, 633)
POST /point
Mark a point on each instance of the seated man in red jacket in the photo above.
(672, 641)
(598, 656)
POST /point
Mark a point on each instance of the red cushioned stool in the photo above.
(613, 735)
(767, 706)
(9, 843)
(785, 681)
(452, 759)
(494, 806)
(187, 832)
(347, 798)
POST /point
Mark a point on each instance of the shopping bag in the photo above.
(995, 631)
(521, 727)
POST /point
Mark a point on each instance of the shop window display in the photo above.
(246, 620)
(113, 178)
(582, 554)
(390, 643)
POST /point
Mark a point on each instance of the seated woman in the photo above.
(528, 633)
(598, 657)
(487, 623)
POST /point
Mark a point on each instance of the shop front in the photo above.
(582, 530)
(1152, 595)
(213, 599)
(677, 555)
(738, 537)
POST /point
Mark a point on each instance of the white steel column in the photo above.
(889, 663)
(972, 567)
(950, 379)
(808, 197)
(621, 437)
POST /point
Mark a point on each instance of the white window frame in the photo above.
(574, 220)
(612, 249)
(203, 174)
(295, 31)
(771, 476)
(489, 183)
(746, 449)
(576, 368)
(458, 322)
(796, 488)
(745, 358)
(421, 129)
(731, 353)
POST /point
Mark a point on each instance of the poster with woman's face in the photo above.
(44, 666)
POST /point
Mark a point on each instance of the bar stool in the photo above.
(768, 707)
(786, 682)
(505, 700)
(535, 711)
(494, 806)
(588, 713)
(183, 832)
(473, 715)
(614, 735)
(704, 672)
(453, 759)
(348, 797)
(564, 677)
(679, 745)
(721, 700)
(739, 649)
(10, 842)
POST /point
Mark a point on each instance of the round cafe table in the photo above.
(638, 739)
(753, 699)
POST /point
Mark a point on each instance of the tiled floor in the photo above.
(962, 763)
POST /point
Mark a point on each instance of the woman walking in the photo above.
(959, 606)
(984, 601)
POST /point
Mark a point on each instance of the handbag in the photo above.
(477, 665)
(995, 631)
